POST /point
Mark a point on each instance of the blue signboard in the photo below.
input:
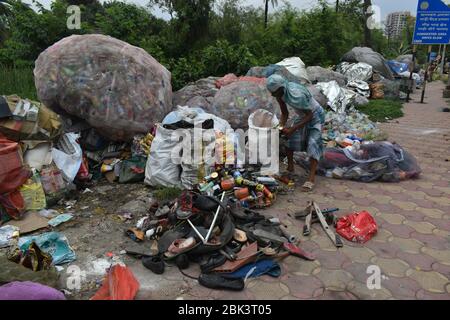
(432, 23)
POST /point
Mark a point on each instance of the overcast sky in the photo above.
(386, 6)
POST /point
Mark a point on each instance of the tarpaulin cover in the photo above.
(117, 88)
(397, 67)
(357, 227)
(408, 59)
(367, 55)
(236, 101)
(119, 284)
(29, 291)
(54, 243)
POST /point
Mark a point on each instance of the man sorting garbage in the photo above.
(305, 134)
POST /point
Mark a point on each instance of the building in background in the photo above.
(396, 22)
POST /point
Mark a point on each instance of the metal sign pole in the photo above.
(443, 59)
(410, 88)
(426, 75)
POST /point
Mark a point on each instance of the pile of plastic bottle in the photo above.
(350, 128)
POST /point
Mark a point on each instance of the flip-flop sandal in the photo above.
(180, 246)
(308, 186)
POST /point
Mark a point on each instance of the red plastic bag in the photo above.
(357, 227)
(83, 173)
(13, 174)
(119, 284)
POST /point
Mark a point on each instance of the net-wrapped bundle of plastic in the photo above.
(236, 101)
(117, 88)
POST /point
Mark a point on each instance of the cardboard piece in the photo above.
(31, 221)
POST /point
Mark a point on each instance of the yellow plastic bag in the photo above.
(33, 194)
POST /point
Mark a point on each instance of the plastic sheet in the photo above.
(296, 66)
(360, 87)
(53, 243)
(367, 55)
(265, 72)
(117, 88)
(69, 159)
(356, 71)
(319, 74)
(39, 156)
(391, 89)
(119, 284)
(378, 161)
(397, 67)
(339, 99)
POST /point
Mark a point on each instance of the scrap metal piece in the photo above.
(335, 238)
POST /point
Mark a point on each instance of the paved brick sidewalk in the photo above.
(412, 247)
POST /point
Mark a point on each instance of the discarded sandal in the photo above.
(180, 246)
(182, 261)
(214, 281)
(212, 263)
(298, 252)
(240, 236)
(308, 186)
(155, 264)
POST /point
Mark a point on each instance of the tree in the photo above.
(5, 12)
(337, 6)
(266, 10)
(5, 8)
(367, 15)
(191, 18)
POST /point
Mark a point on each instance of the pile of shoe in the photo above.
(212, 225)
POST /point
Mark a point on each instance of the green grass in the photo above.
(383, 110)
(167, 193)
(18, 81)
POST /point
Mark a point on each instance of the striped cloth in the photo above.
(309, 138)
